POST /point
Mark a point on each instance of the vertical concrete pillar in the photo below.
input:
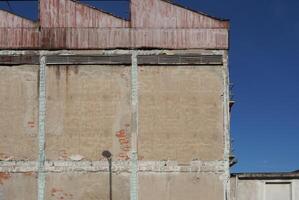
(41, 128)
(226, 123)
(134, 110)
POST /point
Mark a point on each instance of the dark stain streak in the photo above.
(67, 81)
(58, 72)
(66, 75)
(38, 82)
(76, 69)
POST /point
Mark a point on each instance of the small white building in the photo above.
(265, 186)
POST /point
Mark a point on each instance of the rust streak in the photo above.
(3, 177)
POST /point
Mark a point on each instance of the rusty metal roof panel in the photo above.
(67, 24)
(98, 38)
(17, 32)
(69, 13)
(181, 38)
(10, 20)
(85, 38)
(162, 14)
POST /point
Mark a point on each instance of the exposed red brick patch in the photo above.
(124, 144)
(4, 176)
(54, 190)
(31, 124)
(59, 194)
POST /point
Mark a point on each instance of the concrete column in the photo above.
(134, 110)
(41, 128)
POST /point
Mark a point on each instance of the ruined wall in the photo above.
(179, 128)
(152, 90)
(181, 113)
(177, 186)
(19, 112)
(88, 111)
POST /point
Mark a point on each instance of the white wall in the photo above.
(242, 189)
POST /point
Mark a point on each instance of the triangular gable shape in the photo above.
(69, 13)
(17, 32)
(163, 14)
(10, 20)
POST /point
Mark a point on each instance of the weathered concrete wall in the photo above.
(17, 186)
(18, 112)
(88, 111)
(89, 186)
(169, 186)
(180, 127)
(181, 113)
(261, 189)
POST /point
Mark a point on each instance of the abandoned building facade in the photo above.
(152, 90)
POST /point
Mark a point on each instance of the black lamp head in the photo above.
(107, 154)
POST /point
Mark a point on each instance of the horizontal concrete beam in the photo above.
(177, 59)
(117, 166)
(113, 52)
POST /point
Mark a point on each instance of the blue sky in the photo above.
(264, 68)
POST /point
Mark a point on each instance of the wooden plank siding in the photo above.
(17, 32)
(163, 14)
(67, 24)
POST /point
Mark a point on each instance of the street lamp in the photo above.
(108, 155)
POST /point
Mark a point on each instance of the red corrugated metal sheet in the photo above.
(17, 32)
(9, 20)
(67, 13)
(181, 38)
(65, 24)
(162, 14)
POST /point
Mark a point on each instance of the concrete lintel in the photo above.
(112, 52)
(18, 166)
(86, 166)
(173, 166)
(117, 166)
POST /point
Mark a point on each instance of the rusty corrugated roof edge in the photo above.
(100, 10)
(25, 18)
(196, 11)
(267, 175)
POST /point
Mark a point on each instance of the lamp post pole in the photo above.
(108, 155)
